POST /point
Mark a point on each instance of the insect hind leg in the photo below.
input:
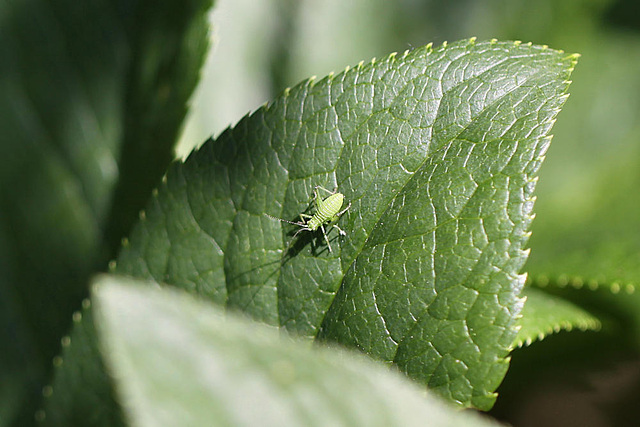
(340, 230)
(339, 214)
(324, 233)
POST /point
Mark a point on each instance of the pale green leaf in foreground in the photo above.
(177, 361)
(436, 149)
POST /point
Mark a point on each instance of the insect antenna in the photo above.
(290, 245)
(283, 220)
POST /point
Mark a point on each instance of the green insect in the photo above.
(327, 214)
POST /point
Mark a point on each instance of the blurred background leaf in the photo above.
(93, 96)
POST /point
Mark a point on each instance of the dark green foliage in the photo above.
(92, 99)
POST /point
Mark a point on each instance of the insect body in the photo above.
(327, 214)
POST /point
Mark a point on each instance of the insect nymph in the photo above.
(327, 213)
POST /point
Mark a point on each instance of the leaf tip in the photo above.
(541, 281)
(592, 284)
(577, 282)
(562, 281)
(311, 81)
(615, 288)
(573, 61)
(40, 415)
(47, 391)
(57, 361)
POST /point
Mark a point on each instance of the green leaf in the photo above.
(81, 394)
(436, 149)
(545, 314)
(59, 111)
(179, 361)
(85, 85)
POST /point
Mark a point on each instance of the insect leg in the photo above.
(291, 242)
(328, 191)
(317, 199)
(305, 218)
(335, 219)
(339, 214)
(324, 233)
(340, 230)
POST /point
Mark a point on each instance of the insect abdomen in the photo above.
(326, 211)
